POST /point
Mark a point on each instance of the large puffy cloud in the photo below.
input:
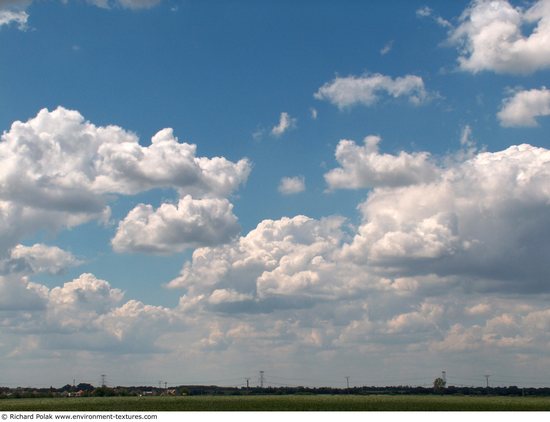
(490, 37)
(428, 266)
(523, 107)
(508, 327)
(174, 228)
(59, 161)
(79, 302)
(485, 219)
(130, 168)
(280, 263)
(86, 313)
(365, 167)
(367, 89)
(58, 170)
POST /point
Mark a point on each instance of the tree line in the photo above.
(88, 390)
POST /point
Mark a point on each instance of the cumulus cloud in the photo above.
(463, 230)
(39, 258)
(292, 185)
(278, 260)
(490, 37)
(58, 170)
(472, 220)
(80, 301)
(19, 294)
(285, 123)
(173, 228)
(368, 89)
(522, 108)
(515, 328)
(406, 278)
(364, 167)
(86, 313)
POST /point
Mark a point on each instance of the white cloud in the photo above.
(127, 4)
(19, 294)
(314, 113)
(478, 309)
(18, 17)
(522, 329)
(523, 107)
(426, 12)
(423, 319)
(58, 170)
(387, 48)
(472, 220)
(285, 123)
(292, 185)
(40, 258)
(286, 258)
(173, 228)
(220, 296)
(14, 11)
(367, 89)
(83, 314)
(81, 300)
(490, 37)
(365, 167)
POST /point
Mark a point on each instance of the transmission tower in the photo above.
(487, 380)
(103, 378)
(347, 381)
(444, 376)
(262, 379)
(247, 383)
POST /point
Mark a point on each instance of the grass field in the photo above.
(279, 403)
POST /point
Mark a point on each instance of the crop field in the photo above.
(280, 403)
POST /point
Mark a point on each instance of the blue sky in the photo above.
(370, 203)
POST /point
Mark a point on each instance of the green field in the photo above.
(278, 403)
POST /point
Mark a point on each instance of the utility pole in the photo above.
(444, 376)
(103, 377)
(262, 379)
(165, 385)
(347, 381)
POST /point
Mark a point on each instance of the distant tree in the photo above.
(85, 387)
(439, 385)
